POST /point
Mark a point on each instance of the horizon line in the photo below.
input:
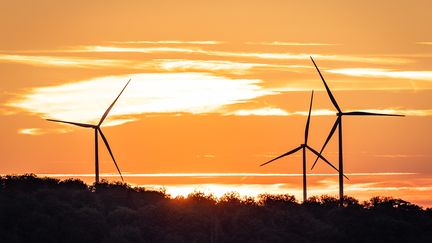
(220, 174)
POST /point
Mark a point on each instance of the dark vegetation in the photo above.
(47, 210)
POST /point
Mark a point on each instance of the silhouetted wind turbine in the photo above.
(98, 130)
(304, 146)
(338, 124)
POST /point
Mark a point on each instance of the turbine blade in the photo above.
(283, 155)
(111, 106)
(332, 98)
(363, 113)
(72, 123)
(110, 152)
(323, 158)
(308, 119)
(327, 140)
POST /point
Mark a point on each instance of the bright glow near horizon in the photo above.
(362, 185)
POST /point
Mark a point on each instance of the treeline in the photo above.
(47, 210)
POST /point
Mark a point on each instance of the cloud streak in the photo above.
(207, 65)
(155, 64)
(217, 65)
(63, 61)
(31, 131)
(383, 73)
(259, 55)
(194, 93)
(208, 42)
(40, 131)
(283, 43)
(266, 111)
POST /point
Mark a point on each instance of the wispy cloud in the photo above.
(389, 188)
(283, 43)
(383, 73)
(206, 156)
(79, 62)
(40, 131)
(31, 131)
(266, 111)
(207, 65)
(148, 93)
(424, 42)
(217, 65)
(122, 49)
(208, 42)
(63, 61)
(155, 64)
(259, 55)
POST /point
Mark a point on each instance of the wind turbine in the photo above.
(98, 130)
(304, 146)
(338, 124)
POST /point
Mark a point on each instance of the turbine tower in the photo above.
(304, 146)
(98, 130)
(338, 124)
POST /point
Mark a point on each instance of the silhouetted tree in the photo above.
(34, 209)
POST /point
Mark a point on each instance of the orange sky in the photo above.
(219, 87)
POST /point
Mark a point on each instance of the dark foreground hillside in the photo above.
(48, 210)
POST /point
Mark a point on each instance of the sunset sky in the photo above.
(219, 87)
